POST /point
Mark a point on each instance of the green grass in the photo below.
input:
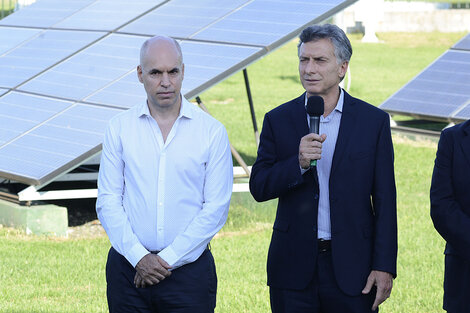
(41, 274)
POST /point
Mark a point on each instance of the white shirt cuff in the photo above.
(136, 254)
(169, 256)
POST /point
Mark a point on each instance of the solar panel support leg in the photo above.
(252, 108)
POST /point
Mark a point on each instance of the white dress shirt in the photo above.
(330, 126)
(170, 196)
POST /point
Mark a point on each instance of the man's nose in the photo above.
(165, 79)
(310, 67)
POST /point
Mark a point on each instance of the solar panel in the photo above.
(107, 14)
(44, 13)
(20, 113)
(263, 22)
(67, 67)
(464, 114)
(208, 63)
(90, 70)
(10, 37)
(181, 18)
(38, 53)
(441, 91)
(125, 93)
(51, 148)
(463, 44)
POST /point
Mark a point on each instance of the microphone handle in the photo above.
(314, 128)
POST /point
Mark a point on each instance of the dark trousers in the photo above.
(321, 296)
(456, 284)
(189, 289)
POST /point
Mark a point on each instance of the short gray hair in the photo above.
(343, 49)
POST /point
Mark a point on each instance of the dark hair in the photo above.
(340, 41)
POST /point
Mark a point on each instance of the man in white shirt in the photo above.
(164, 190)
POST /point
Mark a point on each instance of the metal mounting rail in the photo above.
(416, 131)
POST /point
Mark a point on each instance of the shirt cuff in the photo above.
(303, 171)
(169, 256)
(136, 254)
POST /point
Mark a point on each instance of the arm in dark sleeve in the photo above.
(385, 205)
(452, 223)
(271, 176)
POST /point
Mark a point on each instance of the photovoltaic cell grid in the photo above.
(441, 91)
(43, 50)
(67, 67)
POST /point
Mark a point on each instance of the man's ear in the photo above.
(139, 73)
(343, 69)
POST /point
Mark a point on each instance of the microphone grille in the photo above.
(315, 106)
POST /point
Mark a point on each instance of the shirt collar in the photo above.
(186, 109)
(339, 104)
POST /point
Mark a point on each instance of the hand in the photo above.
(384, 283)
(151, 270)
(310, 149)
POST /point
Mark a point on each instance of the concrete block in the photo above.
(45, 219)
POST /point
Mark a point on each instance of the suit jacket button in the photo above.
(316, 197)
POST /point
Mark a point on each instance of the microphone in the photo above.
(315, 109)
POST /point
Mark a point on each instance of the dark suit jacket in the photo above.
(362, 196)
(450, 212)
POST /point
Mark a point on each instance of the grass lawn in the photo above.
(40, 274)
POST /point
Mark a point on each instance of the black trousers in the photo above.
(322, 295)
(189, 289)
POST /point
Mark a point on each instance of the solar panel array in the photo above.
(441, 91)
(67, 67)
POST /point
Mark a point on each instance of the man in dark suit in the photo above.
(450, 212)
(334, 241)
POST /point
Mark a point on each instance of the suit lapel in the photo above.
(299, 116)
(348, 118)
(465, 143)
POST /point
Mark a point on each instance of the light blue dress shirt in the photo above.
(330, 126)
(170, 196)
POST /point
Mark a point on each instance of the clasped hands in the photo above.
(310, 149)
(151, 270)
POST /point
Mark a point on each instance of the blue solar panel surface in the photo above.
(107, 14)
(91, 70)
(11, 37)
(56, 143)
(40, 52)
(45, 13)
(440, 92)
(67, 67)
